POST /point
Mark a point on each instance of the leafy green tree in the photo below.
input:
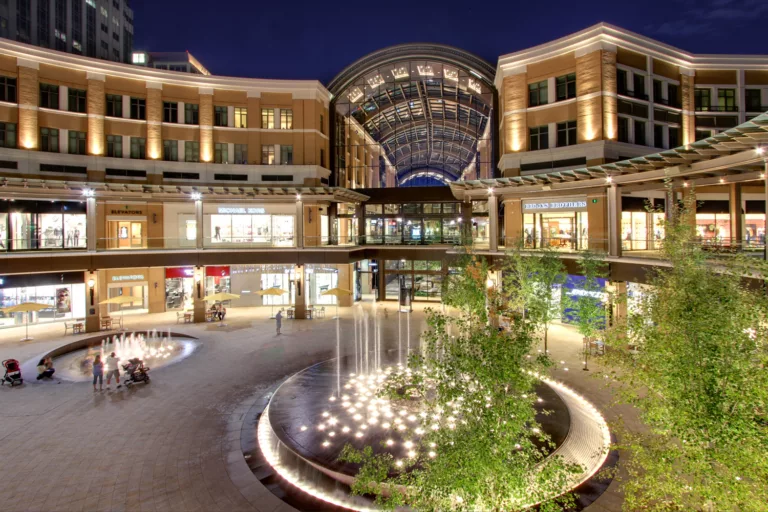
(481, 448)
(699, 378)
(587, 310)
(544, 303)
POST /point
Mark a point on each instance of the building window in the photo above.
(322, 157)
(673, 95)
(77, 143)
(322, 124)
(115, 146)
(49, 96)
(539, 137)
(138, 148)
(49, 140)
(566, 86)
(170, 112)
(286, 119)
(220, 153)
(621, 81)
(267, 154)
(268, 118)
(241, 153)
(638, 81)
(138, 108)
(171, 150)
(220, 117)
(726, 100)
(566, 134)
(114, 105)
(286, 155)
(640, 133)
(537, 94)
(191, 151)
(7, 89)
(78, 101)
(7, 135)
(674, 137)
(623, 129)
(658, 95)
(753, 97)
(191, 113)
(241, 117)
(702, 99)
(703, 134)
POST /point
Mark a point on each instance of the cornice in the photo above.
(33, 56)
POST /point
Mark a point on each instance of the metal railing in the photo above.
(43, 244)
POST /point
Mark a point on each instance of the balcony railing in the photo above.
(633, 94)
(716, 108)
(669, 102)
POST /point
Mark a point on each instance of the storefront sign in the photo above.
(553, 205)
(235, 210)
(217, 271)
(132, 277)
(126, 212)
(179, 272)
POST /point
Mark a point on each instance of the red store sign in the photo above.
(217, 271)
(179, 272)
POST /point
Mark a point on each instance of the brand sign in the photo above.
(236, 210)
(132, 277)
(179, 272)
(555, 205)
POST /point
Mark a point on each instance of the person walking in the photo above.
(279, 320)
(112, 369)
(98, 372)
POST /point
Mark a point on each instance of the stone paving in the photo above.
(175, 444)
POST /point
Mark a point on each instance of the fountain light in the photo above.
(326, 414)
(419, 431)
(401, 427)
(357, 417)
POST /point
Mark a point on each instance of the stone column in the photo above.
(689, 200)
(206, 124)
(312, 228)
(96, 99)
(514, 121)
(597, 218)
(513, 223)
(737, 219)
(614, 220)
(466, 223)
(687, 90)
(199, 231)
(29, 98)
(93, 286)
(91, 219)
(299, 224)
(493, 222)
(589, 82)
(300, 306)
(155, 120)
(198, 292)
(610, 88)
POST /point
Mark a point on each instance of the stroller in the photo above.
(12, 373)
(135, 371)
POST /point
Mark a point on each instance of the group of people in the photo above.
(113, 370)
(218, 312)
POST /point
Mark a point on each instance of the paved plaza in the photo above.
(175, 444)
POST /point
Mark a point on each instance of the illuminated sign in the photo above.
(237, 210)
(132, 277)
(555, 205)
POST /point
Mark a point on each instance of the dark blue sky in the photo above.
(315, 40)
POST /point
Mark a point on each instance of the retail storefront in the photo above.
(126, 226)
(64, 292)
(179, 288)
(642, 223)
(320, 279)
(713, 222)
(217, 280)
(42, 225)
(574, 289)
(345, 224)
(131, 282)
(423, 277)
(754, 224)
(180, 226)
(248, 280)
(413, 223)
(558, 223)
(263, 225)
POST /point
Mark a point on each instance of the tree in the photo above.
(481, 447)
(700, 381)
(544, 304)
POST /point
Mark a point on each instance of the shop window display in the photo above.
(320, 279)
(713, 228)
(754, 229)
(67, 301)
(42, 225)
(276, 230)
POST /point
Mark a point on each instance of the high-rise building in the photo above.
(95, 28)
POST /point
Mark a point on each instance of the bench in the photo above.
(76, 326)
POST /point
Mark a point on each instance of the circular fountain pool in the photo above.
(155, 349)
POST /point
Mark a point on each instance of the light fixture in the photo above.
(609, 179)
(489, 283)
(298, 197)
(722, 180)
(759, 150)
(490, 191)
(685, 184)
(195, 196)
(87, 192)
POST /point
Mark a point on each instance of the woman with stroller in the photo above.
(98, 372)
(45, 369)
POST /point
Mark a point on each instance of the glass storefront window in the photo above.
(432, 234)
(634, 231)
(754, 229)
(480, 230)
(3, 231)
(558, 230)
(412, 232)
(391, 209)
(67, 301)
(427, 286)
(479, 206)
(374, 230)
(451, 231)
(276, 230)
(282, 227)
(345, 209)
(22, 231)
(45, 225)
(713, 228)
(282, 280)
(432, 208)
(320, 280)
(346, 228)
(393, 231)
(373, 209)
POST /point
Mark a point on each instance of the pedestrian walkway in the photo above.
(175, 444)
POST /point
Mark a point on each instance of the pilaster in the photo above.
(96, 106)
(206, 124)
(29, 94)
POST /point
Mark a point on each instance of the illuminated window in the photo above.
(268, 118)
(268, 155)
(726, 100)
(241, 117)
(286, 119)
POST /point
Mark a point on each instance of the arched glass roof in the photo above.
(426, 110)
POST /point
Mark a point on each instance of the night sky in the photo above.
(315, 40)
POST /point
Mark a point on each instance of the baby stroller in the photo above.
(135, 371)
(12, 372)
